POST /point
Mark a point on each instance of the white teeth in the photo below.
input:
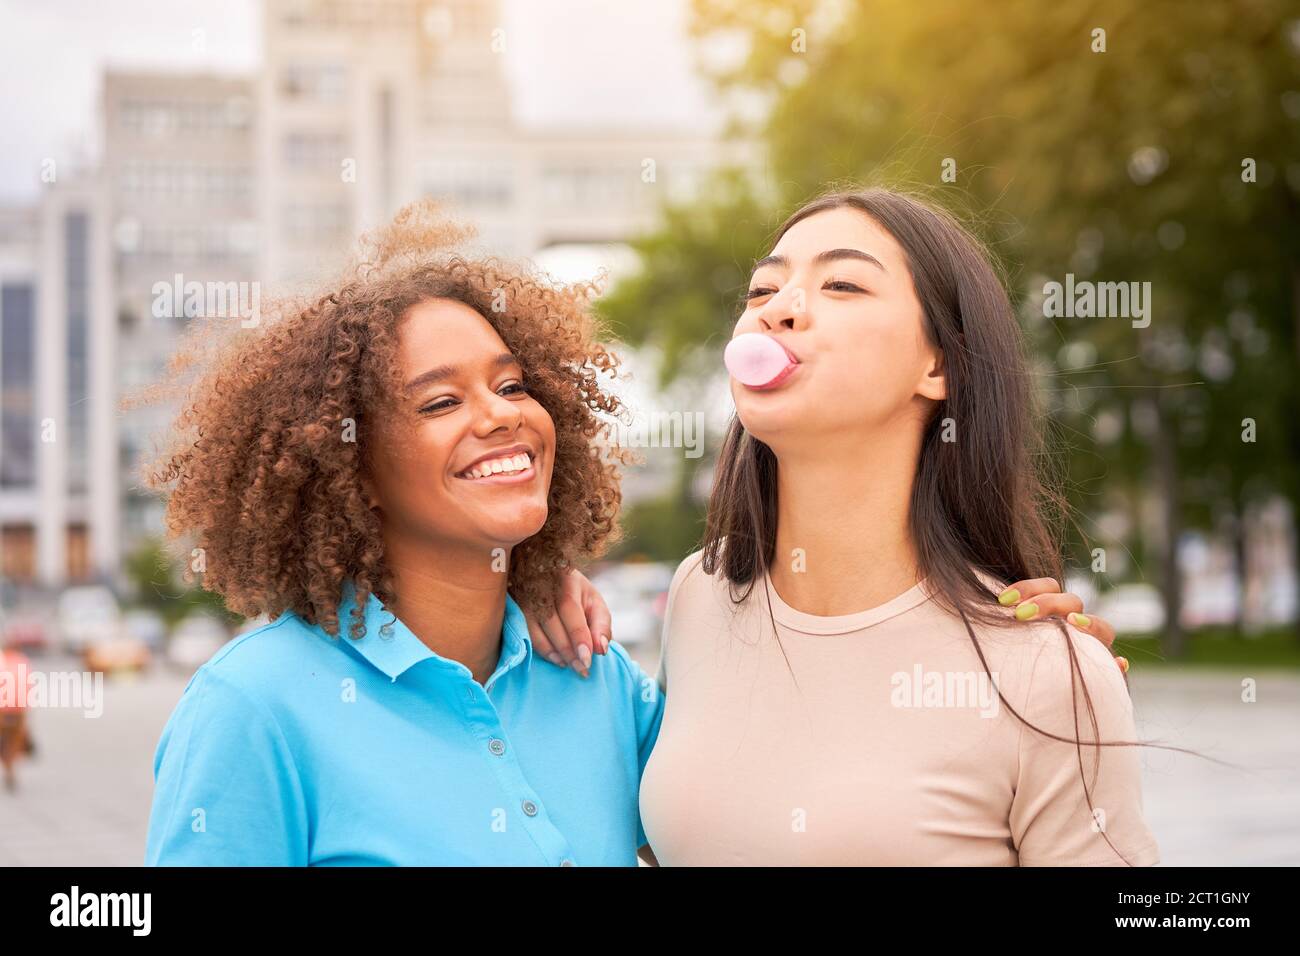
(500, 466)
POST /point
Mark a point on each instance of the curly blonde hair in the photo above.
(258, 476)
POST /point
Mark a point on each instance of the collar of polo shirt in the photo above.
(392, 648)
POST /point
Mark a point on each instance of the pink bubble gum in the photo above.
(755, 359)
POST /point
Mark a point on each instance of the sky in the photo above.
(570, 63)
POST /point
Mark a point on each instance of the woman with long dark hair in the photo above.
(849, 681)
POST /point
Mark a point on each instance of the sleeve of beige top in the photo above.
(682, 570)
(1051, 821)
(661, 677)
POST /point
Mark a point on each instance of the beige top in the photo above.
(893, 748)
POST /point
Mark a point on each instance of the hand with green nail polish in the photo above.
(1026, 611)
(1036, 599)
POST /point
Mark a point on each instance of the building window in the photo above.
(580, 187)
(170, 116)
(78, 541)
(186, 181)
(315, 152)
(320, 82)
(18, 553)
(316, 223)
(17, 386)
(470, 181)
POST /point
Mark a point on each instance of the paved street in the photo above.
(85, 801)
(1205, 814)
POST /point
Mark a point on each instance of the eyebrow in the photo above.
(830, 255)
(440, 372)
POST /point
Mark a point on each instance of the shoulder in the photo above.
(628, 697)
(691, 589)
(236, 705)
(687, 568)
(1063, 673)
(261, 663)
(636, 696)
(1046, 665)
(1059, 649)
(1047, 645)
(624, 670)
(691, 582)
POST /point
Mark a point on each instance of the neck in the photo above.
(848, 515)
(453, 602)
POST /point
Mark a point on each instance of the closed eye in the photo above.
(837, 285)
(510, 388)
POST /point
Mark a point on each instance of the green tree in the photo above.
(1111, 141)
(156, 580)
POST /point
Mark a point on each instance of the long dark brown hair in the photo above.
(980, 506)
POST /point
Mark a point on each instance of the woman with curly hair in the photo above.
(393, 473)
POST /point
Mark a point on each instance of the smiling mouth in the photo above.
(508, 469)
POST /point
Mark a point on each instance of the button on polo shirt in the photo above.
(293, 748)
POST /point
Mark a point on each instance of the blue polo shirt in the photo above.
(292, 748)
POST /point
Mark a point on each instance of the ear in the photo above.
(934, 381)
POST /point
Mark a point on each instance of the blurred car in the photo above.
(146, 626)
(24, 632)
(636, 592)
(1132, 609)
(116, 654)
(87, 614)
(1281, 598)
(194, 641)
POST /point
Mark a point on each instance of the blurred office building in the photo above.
(59, 497)
(366, 106)
(180, 174)
(262, 182)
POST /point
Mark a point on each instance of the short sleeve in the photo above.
(1051, 821)
(226, 791)
(648, 713)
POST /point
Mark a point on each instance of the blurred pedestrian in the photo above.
(14, 739)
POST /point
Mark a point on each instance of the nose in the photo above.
(787, 309)
(499, 413)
